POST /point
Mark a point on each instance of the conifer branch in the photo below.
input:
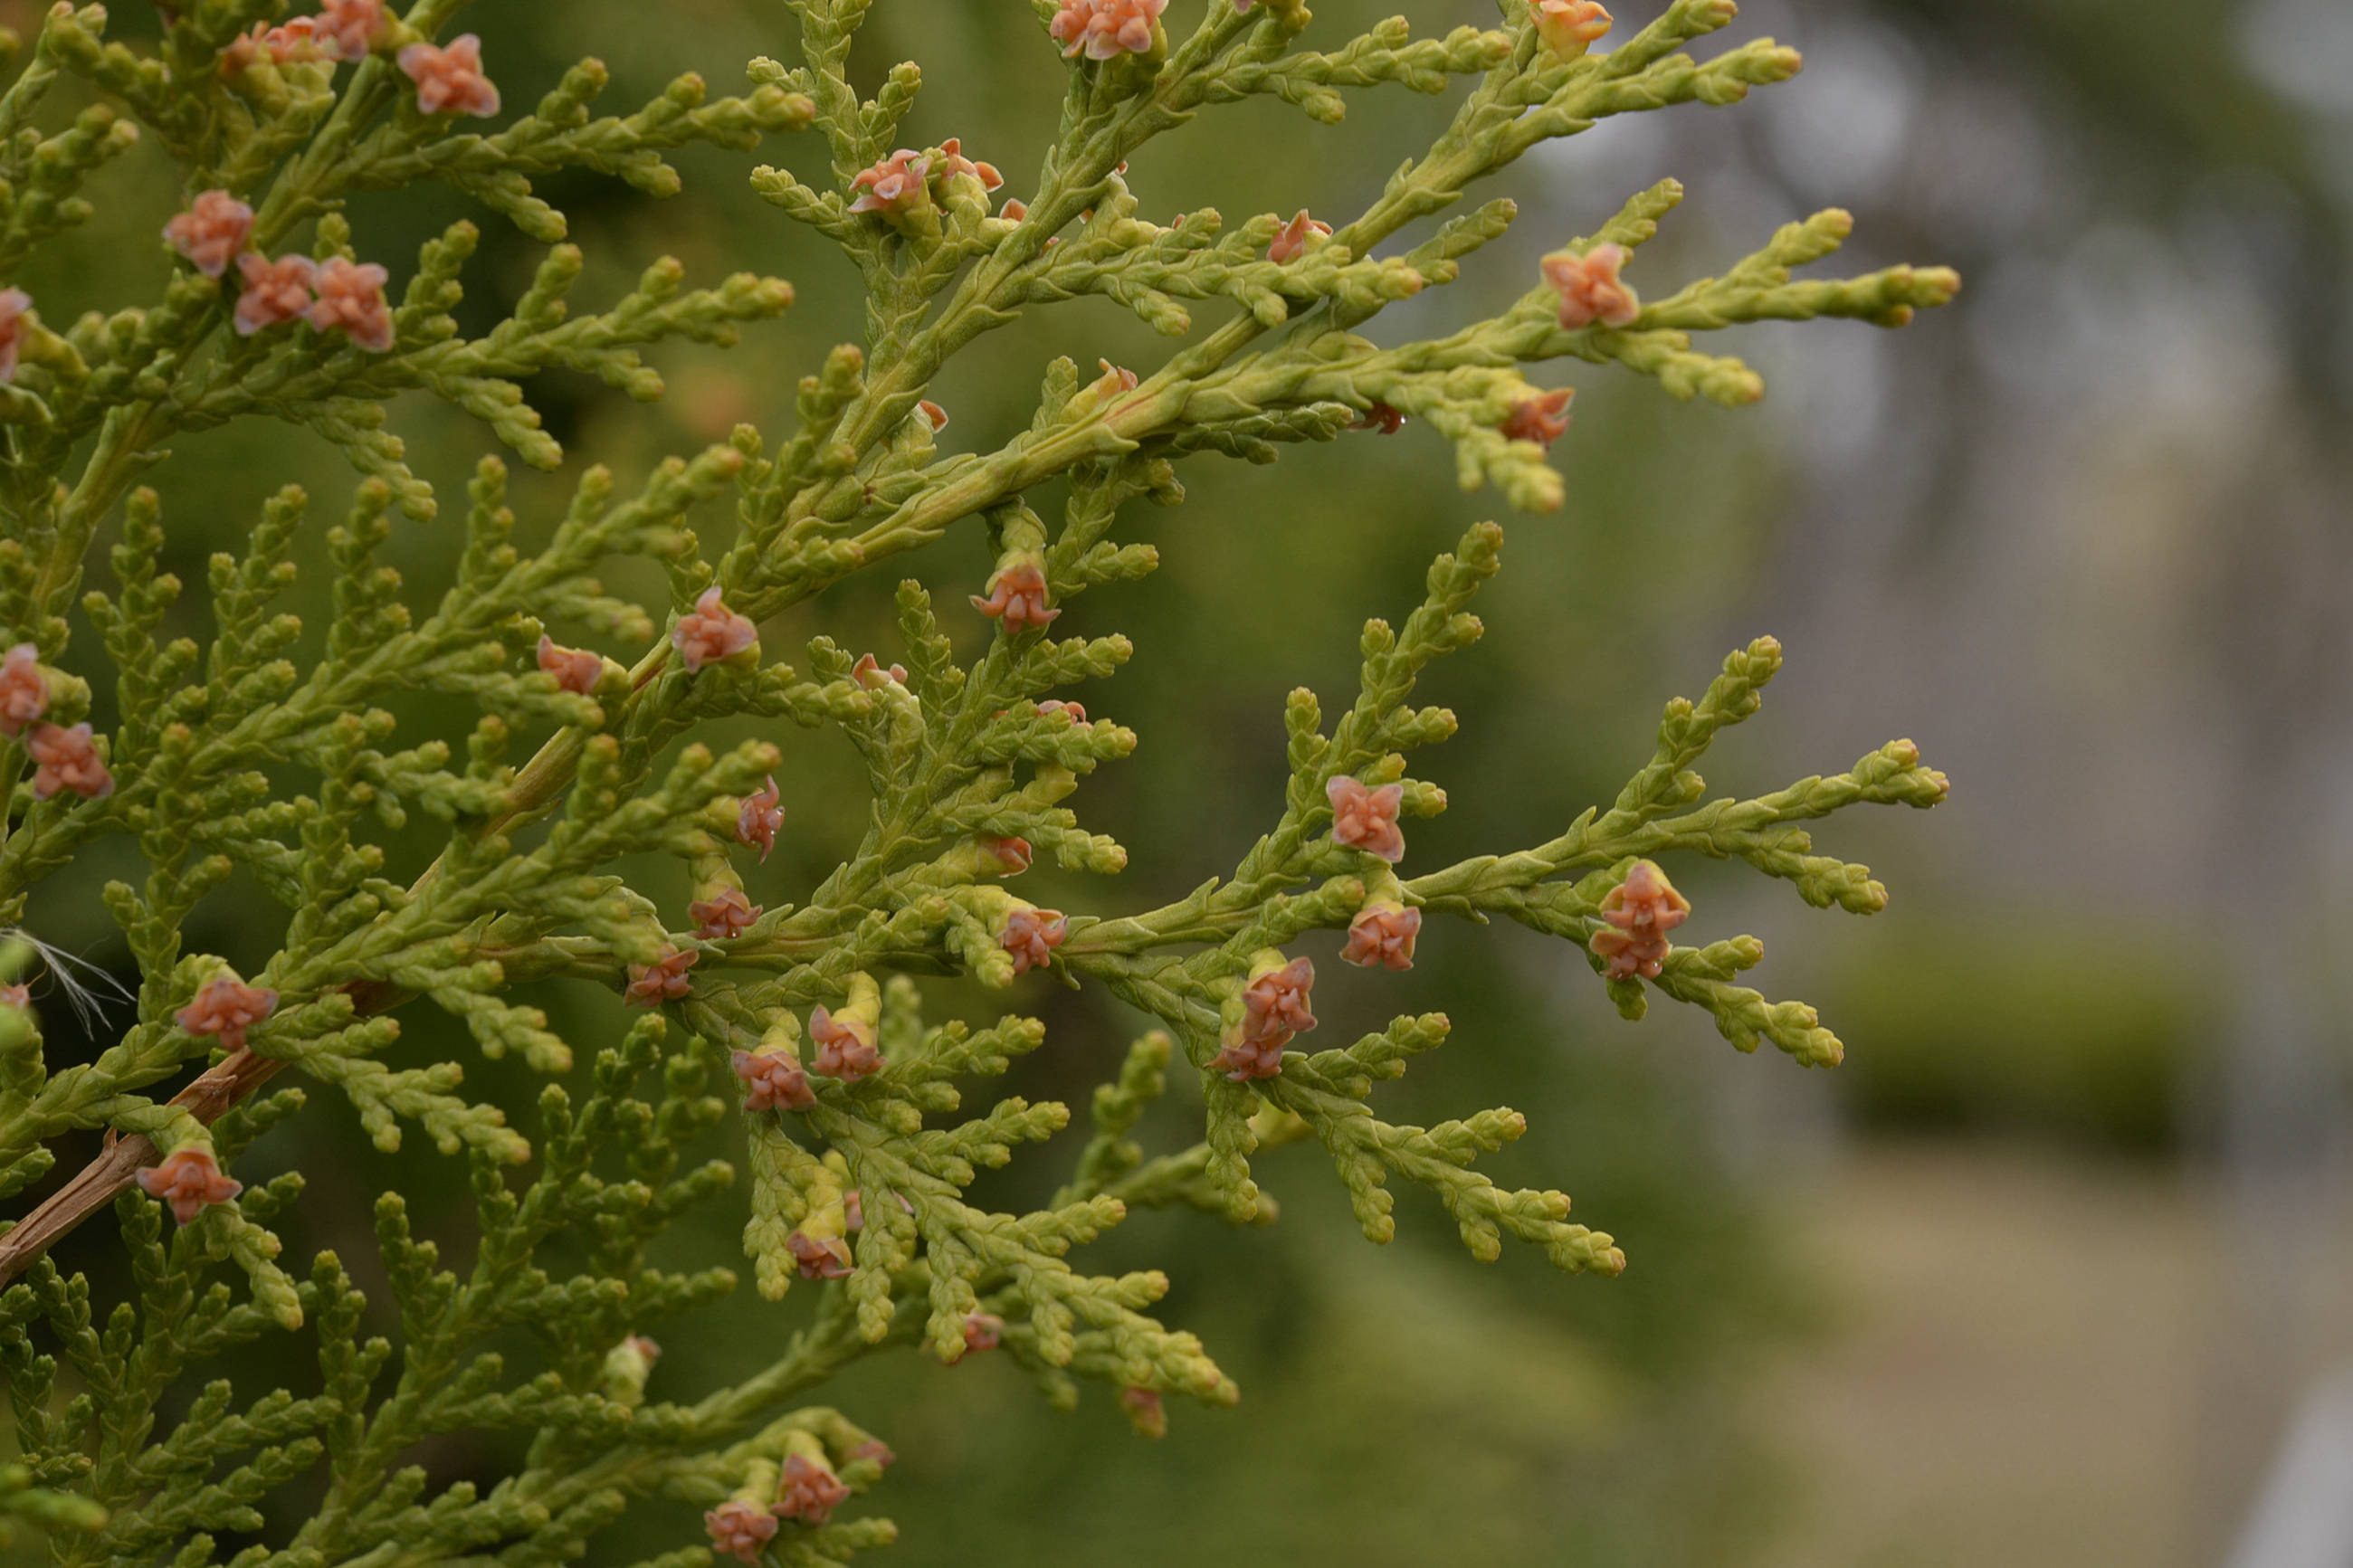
(801, 1030)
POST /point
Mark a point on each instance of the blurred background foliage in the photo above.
(2083, 537)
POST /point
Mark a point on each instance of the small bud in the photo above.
(576, 669)
(627, 1367)
(1031, 936)
(14, 303)
(710, 633)
(983, 1330)
(211, 232)
(876, 1450)
(854, 1212)
(351, 301)
(1276, 999)
(1144, 1411)
(1114, 380)
(1543, 419)
(1367, 819)
(772, 1078)
(1075, 711)
(739, 1530)
(1640, 911)
(189, 1180)
(1589, 288)
(826, 1258)
(1017, 596)
(1275, 1009)
(295, 42)
(1291, 241)
(845, 1046)
(873, 675)
(353, 26)
(66, 759)
(24, 689)
(1101, 29)
(1382, 417)
(897, 190)
(723, 915)
(451, 81)
(1568, 27)
(954, 163)
(17, 997)
(664, 980)
(936, 416)
(811, 1491)
(1382, 935)
(227, 1007)
(1014, 211)
(1012, 856)
(275, 291)
(758, 815)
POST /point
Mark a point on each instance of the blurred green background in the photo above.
(2040, 1275)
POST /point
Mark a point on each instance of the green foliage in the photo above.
(2041, 1028)
(271, 755)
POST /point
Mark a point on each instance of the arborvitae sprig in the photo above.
(274, 749)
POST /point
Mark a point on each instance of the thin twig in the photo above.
(100, 1181)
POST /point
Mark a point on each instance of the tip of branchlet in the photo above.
(1936, 285)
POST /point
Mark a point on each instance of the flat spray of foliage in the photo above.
(799, 1020)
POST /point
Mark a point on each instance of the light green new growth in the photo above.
(797, 1029)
